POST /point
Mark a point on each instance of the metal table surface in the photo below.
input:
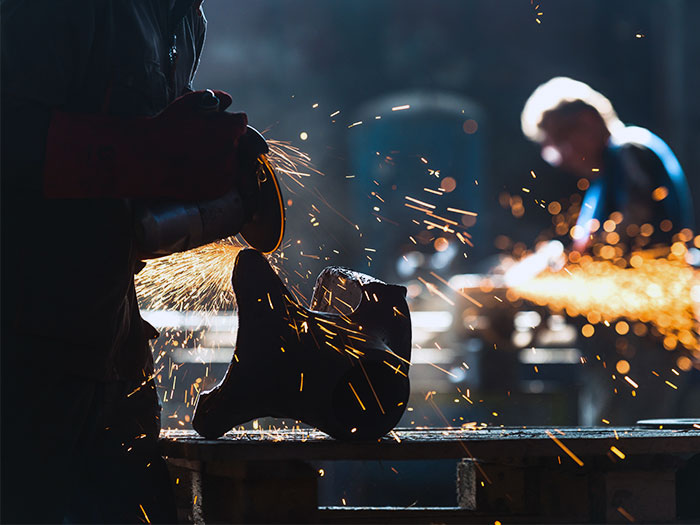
(434, 443)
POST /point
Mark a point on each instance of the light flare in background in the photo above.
(656, 291)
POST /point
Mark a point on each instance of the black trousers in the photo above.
(76, 450)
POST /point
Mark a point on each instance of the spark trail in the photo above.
(657, 291)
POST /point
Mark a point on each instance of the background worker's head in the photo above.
(571, 122)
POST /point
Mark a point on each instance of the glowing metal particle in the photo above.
(631, 382)
(421, 203)
(144, 514)
(358, 397)
(617, 452)
(626, 514)
(565, 448)
(463, 212)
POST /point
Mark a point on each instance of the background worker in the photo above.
(632, 170)
(635, 173)
(90, 119)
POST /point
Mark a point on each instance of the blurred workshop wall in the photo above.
(281, 57)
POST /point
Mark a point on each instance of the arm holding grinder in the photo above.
(194, 172)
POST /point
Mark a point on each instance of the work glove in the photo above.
(186, 152)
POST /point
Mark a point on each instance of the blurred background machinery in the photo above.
(418, 145)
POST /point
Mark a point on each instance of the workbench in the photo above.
(511, 475)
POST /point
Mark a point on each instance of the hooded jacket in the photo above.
(68, 298)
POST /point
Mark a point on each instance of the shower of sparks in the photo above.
(439, 222)
(657, 291)
(623, 276)
(291, 164)
(197, 280)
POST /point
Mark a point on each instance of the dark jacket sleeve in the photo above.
(45, 47)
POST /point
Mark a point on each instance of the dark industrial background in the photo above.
(279, 57)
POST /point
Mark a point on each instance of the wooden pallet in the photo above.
(523, 475)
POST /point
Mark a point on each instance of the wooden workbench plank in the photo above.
(487, 443)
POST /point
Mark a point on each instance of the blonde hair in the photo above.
(558, 93)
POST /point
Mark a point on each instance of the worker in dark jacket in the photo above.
(97, 109)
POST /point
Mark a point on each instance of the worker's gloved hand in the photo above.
(186, 152)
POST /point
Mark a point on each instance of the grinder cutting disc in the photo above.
(266, 229)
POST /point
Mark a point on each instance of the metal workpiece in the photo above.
(343, 373)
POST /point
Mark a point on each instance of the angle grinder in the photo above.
(165, 227)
